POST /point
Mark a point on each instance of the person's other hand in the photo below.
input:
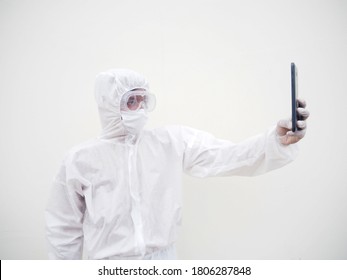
(284, 127)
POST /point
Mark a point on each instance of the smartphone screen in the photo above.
(294, 78)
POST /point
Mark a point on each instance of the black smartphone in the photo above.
(294, 77)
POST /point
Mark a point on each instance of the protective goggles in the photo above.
(135, 100)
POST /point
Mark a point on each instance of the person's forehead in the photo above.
(136, 92)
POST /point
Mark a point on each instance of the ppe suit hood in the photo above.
(110, 86)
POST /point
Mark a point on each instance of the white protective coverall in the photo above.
(120, 194)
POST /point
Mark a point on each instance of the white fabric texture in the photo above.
(121, 195)
(134, 122)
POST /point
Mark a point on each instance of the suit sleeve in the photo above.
(205, 155)
(64, 215)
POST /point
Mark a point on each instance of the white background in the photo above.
(222, 66)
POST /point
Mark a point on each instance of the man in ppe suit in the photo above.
(119, 196)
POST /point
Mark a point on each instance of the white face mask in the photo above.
(134, 121)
